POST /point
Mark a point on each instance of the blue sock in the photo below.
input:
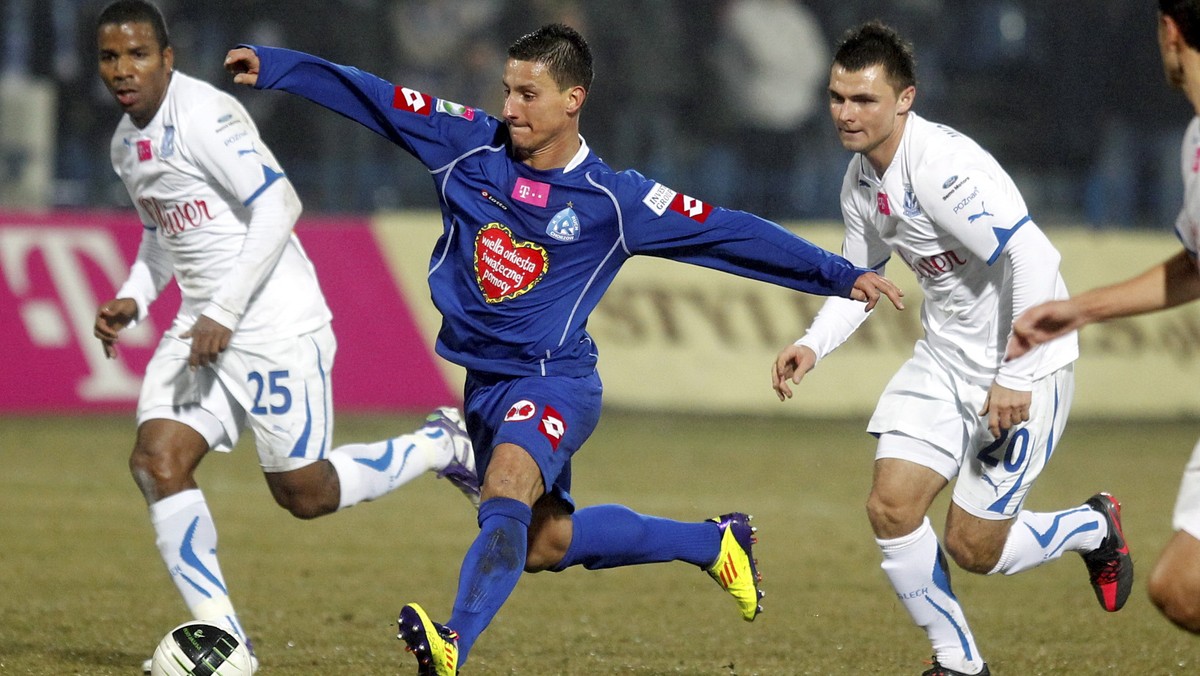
(608, 536)
(491, 568)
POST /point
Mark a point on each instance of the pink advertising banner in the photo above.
(56, 268)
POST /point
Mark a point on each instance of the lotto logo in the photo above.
(691, 207)
(412, 100)
(553, 427)
(522, 410)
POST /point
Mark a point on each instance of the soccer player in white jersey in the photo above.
(955, 410)
(1175, 581)
(252, 345)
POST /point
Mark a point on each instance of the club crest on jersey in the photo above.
(143, 150)
(911, 207)
(564, 226)
(412, 100)
(881, 201)
(522, 410)
(531, 192)
(504, 267)
(455, 109)
(167, 148)
(553, 426)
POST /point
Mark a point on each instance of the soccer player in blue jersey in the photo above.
(535, 228)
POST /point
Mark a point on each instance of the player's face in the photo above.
(133, 68)
(867, 111)
(540, 116)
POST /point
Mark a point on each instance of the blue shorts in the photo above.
(550, 417)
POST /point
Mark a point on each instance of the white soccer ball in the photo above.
(201, 649)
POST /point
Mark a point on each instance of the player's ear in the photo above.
(905, 100)
(168, 56)
(575, 98)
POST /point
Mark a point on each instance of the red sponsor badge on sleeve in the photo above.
(412, 100)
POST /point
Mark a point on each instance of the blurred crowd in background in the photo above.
(722, 99)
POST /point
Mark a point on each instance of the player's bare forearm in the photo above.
(243, 63)
(1171, 283)
(870, 286)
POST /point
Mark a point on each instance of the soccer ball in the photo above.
(201, 649)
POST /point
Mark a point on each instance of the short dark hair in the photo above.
(1186, 15)
(136, 11)
(876, 44)
(561, 48)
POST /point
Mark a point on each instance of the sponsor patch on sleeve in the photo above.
(691, 207)
(455, 109)
(412, 100)
(659, 198)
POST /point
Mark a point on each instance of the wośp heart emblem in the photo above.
(505, 268)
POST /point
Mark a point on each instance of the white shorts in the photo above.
(1187, 505)
(281, 389)
(929, 415)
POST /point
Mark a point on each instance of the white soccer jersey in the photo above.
(953, 215)
(1187, 225)
(218, 213)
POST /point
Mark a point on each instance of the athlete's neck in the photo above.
(555, 154)
(881, 156)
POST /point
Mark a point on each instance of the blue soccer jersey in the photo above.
(526, 255)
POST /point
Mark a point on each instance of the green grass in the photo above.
(84, 591)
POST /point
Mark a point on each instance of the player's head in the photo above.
(135, 56)
(871, 89)
(546, 79)
(1178, 30)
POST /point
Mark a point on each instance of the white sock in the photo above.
(1038, 537)
(369, 471)
(187, 540)
(917, 569)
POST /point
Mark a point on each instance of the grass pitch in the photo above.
(84, 591)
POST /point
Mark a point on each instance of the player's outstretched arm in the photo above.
(870, 286)
(113, 316)
(243, 63)
(792, 363)
(1171, 283)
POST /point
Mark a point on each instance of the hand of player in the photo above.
(1041, 324)
(209, 340)
(870, 286)
(792, 363)
(1005, 408)
(243, 63)
(110, 319)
